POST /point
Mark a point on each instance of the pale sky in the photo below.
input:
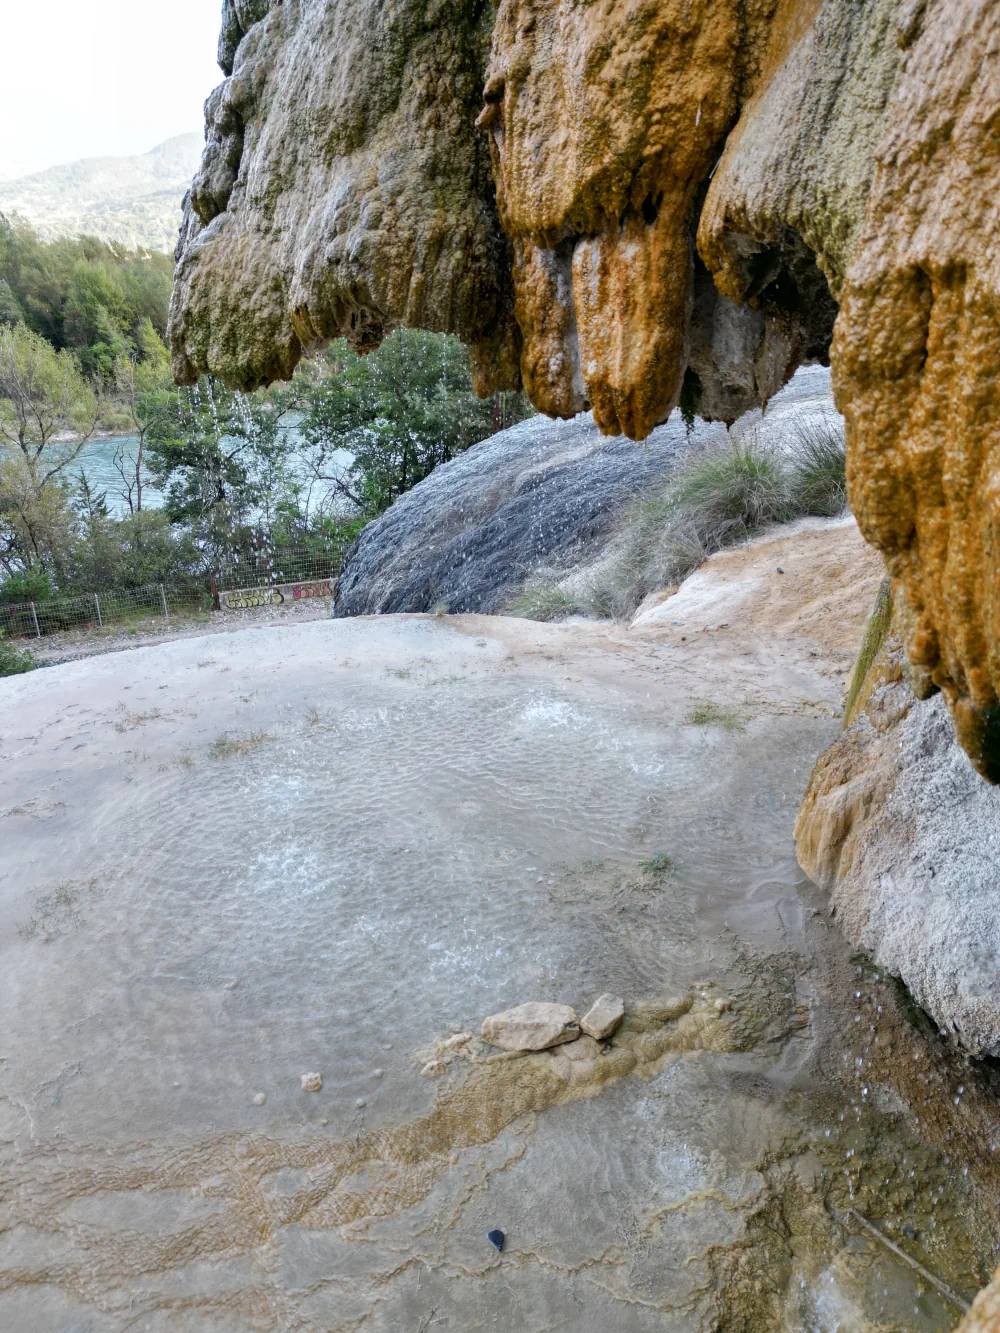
(84, 78)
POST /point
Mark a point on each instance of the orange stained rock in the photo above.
(605, 119)
(916, 355)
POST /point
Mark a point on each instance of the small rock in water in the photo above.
(603, 1017)
(434, 1069)
(723, 1006)
(260, 1099)
(378, 1073)
(531, 1027)
(496, 1238)
(360, 1103)
(312, 1082)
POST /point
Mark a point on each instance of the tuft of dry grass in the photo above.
(543, 601)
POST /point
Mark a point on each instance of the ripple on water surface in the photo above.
(338, 897)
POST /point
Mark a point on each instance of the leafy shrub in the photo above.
(26, 585)
(14, 661)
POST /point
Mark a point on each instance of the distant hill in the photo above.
(135, 200)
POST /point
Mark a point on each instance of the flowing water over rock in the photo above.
(335, 848)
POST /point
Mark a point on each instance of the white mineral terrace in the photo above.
(331, 848)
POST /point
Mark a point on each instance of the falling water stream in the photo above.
(335, 849)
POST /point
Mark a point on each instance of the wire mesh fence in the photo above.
(282, 565)
(309, 571)
(98, 610)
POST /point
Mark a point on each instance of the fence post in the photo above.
(97, 608)
(163, 601)
(34, 616)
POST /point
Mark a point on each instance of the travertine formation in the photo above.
(916, 353)
(343, 190)
(686, 193)
(984, 1317)
(900, 829)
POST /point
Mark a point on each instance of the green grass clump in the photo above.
(543, 601)
(226, 746)
(721, 496)
(818, 478)
(734, 491)
(14, 661)
(714, 715)
(659, 864)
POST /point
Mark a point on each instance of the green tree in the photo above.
(397, 412)
(222, 458)
(48, 412)
(145, 398)
(89, 295)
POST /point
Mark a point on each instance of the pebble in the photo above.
(260, 1099)
(378, 1073)
(360, 1103)
(723, 1006)
(496, 1239)
(603, 1017)
(533, 1026)
(312, 1082)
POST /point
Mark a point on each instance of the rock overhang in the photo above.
(663, 197)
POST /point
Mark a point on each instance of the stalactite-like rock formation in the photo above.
(343, 190)
(605, 122)
(664, 199)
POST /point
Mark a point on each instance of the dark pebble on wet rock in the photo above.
(496, 1239)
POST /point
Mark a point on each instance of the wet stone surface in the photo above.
(337, 848)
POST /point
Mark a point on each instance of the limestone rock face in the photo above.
(343, 190)
(605, 120)
(916, 352)
(531, 1027)
(900, 829)
(539, 498)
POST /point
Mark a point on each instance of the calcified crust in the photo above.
(916, 355)
(685, 191)
(342, 191)
(605, 120)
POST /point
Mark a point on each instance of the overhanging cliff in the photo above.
(662, 197)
